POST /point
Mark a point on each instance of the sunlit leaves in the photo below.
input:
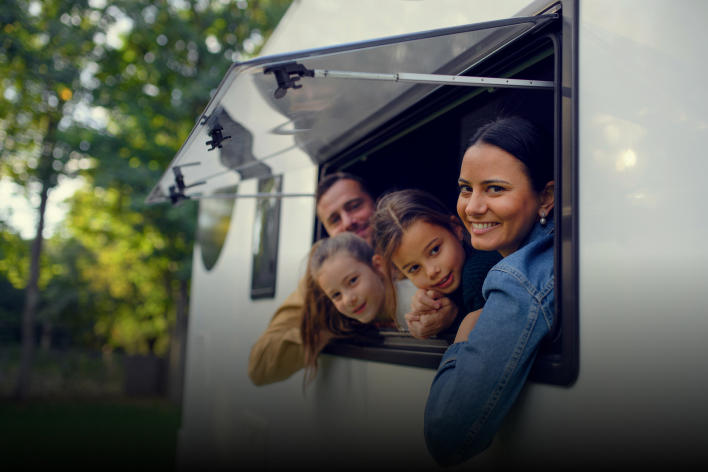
(14, 255)
(110, 91)
(129, 282)
(47, 46)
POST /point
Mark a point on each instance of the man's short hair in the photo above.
(327, 182)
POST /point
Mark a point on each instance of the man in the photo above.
(342, 204)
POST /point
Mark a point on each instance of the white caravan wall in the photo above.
(643, 258)
(643, 131)
(643, 270)
(226, 420)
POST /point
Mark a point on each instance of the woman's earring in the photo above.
(543, 218)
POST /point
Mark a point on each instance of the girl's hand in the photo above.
(427, 301)
(466, 326)
(431, 312)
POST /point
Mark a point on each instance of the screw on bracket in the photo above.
(177, 191)
(216, 137)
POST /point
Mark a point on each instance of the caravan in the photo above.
(620, 379)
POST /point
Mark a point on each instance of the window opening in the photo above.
(439, 125)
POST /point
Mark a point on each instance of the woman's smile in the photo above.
(481, 228)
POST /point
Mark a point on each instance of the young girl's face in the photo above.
(431, 256)
(355, 288)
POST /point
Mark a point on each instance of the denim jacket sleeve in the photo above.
(478, 380)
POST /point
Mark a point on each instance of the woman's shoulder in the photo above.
(532, 263)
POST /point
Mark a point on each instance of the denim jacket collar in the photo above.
(538, 231)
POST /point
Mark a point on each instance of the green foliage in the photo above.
(44, 49)
(14, 254)
(109, 90)
(13, 257)
(159, 81)
(128, 285)
(65, 291)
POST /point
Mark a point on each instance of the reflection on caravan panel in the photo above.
(632, 131)
(643, 254)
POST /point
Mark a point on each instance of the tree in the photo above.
(156, 85)
(44, 51)
(112, 91)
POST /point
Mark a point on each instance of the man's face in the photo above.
(346, 207)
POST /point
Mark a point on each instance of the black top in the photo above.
(468, 296)
(477, 264)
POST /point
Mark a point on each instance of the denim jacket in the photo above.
(478, 380)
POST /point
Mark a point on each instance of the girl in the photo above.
(505, 201)
(416, 234)
(346, 290)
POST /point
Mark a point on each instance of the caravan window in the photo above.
(266, 230)
(393, 112)
(422, 147)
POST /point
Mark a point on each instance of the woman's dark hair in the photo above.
(523, 140)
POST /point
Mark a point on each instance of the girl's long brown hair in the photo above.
(319, 313)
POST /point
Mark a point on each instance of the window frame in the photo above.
(264, 265)
(558, 360)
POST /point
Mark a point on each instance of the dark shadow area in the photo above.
(96, 434)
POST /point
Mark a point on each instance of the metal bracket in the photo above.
(177, 191)
(286, 75)
(216, 137)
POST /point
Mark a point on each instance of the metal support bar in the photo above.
(289, 73)
(255, 195)
(435, 79)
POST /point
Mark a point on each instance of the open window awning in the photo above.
(278, 113)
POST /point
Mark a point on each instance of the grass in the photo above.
(64, 373)
(78, 418)
(108, 434)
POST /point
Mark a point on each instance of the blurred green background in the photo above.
(96, 97)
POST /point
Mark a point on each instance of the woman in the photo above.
(505, 201)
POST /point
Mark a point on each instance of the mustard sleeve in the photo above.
(278, 353)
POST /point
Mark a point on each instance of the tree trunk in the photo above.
(31, 300)
(46, 340)
(178, 346)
